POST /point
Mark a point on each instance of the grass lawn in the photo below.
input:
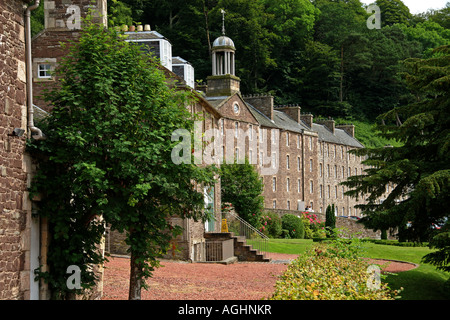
(422, 283)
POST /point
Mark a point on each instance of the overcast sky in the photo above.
(418, 6)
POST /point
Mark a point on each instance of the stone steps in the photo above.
(245, 252)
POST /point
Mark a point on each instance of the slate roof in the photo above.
(339, 136)
(283, 122)
(287, 123)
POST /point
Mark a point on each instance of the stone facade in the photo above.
(19, 236)
(63, 23)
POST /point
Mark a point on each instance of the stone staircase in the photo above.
(245, 252)
(242, 250)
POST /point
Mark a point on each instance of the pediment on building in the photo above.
(233, 107)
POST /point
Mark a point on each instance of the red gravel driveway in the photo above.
(198, 281)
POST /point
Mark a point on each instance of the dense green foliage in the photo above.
(293, 225)
(318, 53)
(417, 171)
(338, 273)
(242, 186)
(107, 160)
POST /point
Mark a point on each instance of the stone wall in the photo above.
(15, 166)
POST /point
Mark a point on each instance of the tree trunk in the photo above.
(206, 13)
(341, 95)
(134, 292)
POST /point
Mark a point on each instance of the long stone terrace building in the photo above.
(302, 161)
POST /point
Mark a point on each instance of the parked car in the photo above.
(355, 217)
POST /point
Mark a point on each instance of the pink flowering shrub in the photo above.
(313, 226)
(271, 225)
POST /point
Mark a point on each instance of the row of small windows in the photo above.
(338, 171)
(311, 188)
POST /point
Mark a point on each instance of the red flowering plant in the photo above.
(313, 226)
(226, 208)
(270, 225)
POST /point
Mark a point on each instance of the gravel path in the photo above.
(198, 281)
(207, 281)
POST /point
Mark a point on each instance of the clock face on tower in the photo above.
(236, 108)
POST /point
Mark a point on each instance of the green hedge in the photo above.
(397, 243)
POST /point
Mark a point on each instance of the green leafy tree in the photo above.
(418, 170)
(393, 11)
(429, 34)
(107, 159)
(242, 186)
(119, 13)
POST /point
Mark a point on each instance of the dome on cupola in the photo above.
(223, 42)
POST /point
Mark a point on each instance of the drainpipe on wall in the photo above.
(38, 135)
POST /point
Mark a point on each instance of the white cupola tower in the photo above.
(223, 56)
(223, 81)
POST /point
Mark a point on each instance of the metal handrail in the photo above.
(248, 225)
(246, 230)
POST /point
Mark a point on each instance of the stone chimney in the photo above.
(349, 128)
(264, 103)
(292, 111)
(307, 118)
(329, 124)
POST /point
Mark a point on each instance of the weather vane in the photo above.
(223, 21)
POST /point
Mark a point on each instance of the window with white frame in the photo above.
(287, 184)
(44, 70)
(287, 162)
(287, 139)
(311, 187)
(274, 184)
